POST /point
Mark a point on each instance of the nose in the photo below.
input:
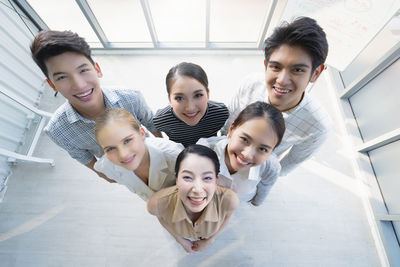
(189, 106)
(249, 153)
(283, 77)
(197, 186)
(123, 153)
(79, 82)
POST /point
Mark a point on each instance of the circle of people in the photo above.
(193, 180)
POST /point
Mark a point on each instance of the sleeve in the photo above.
(302, 151)
(143, 112)
(103, 165)
(81, 155)
(210, 141)
(234, 109)
(268, 179)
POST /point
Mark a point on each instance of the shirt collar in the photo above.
(254, 173)
(210, 213)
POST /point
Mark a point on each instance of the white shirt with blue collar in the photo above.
(252, 184)
(163, 155)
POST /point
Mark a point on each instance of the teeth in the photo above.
(281, 90)
(85, 94)
(242, 162)
(196, 199)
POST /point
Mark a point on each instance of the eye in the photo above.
(208, 178)
(59, 78)
(244, 139)
(178, 98)
(263, 149)
(198, 95)
(187, 178)
(126, 141)
(109, 149)
(298, 70)
(85, 70)
(274, 67)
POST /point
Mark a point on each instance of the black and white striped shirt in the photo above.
(179, 132)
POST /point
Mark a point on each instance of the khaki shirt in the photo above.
(173, 212)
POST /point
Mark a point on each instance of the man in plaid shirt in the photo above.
(65, 59)
(294, 57)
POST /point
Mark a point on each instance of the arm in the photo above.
(302, 151)
(90, 165)
(234, 109)
(202, 244)
(152, 208)
(268, 179)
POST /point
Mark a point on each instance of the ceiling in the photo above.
(158, 24)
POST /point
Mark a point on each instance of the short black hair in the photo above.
(303, 32)
(189, 70)
(198, 150)
(261, 109)
(49, 44)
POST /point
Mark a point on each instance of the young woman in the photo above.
(195, 210)
(190, 114)
(247, 165)
(144, 165)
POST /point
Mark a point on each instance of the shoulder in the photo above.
(217, 107)
(164, 145)
(164, 112)
(211, 142)
(315, 114)
(253, 82)
(156, 203)
(58, 123)
(229, 199)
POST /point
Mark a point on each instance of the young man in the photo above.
(294, 57)
(65, 59)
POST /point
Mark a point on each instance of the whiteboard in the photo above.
(349, 24)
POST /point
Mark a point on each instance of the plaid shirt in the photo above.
(307, 124)
(74, 133)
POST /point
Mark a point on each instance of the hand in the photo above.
(186, 244)
(202, 244)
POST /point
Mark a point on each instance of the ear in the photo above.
(51, 85)
(317, 72)
(230, 130)
(98, 70)
(265, 63)
(142, 133)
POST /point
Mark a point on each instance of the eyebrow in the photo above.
(204, 173)
(61, 72)
(249, 137)
(300, 65)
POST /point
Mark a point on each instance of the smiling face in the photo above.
(122, 144)
(188, 99)
(287, 73)
(77, 79)
(196, 183)
(250, 144)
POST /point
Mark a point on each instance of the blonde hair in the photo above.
(112, 115)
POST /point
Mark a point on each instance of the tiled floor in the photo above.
(66, 216)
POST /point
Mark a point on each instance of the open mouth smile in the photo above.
(197, 201)
(242, 161)
(191, 115)
(281, 91)
(128, 160)
(85, 95)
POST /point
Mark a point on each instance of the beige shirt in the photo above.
(173, 212)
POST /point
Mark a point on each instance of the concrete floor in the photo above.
(66, 216)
